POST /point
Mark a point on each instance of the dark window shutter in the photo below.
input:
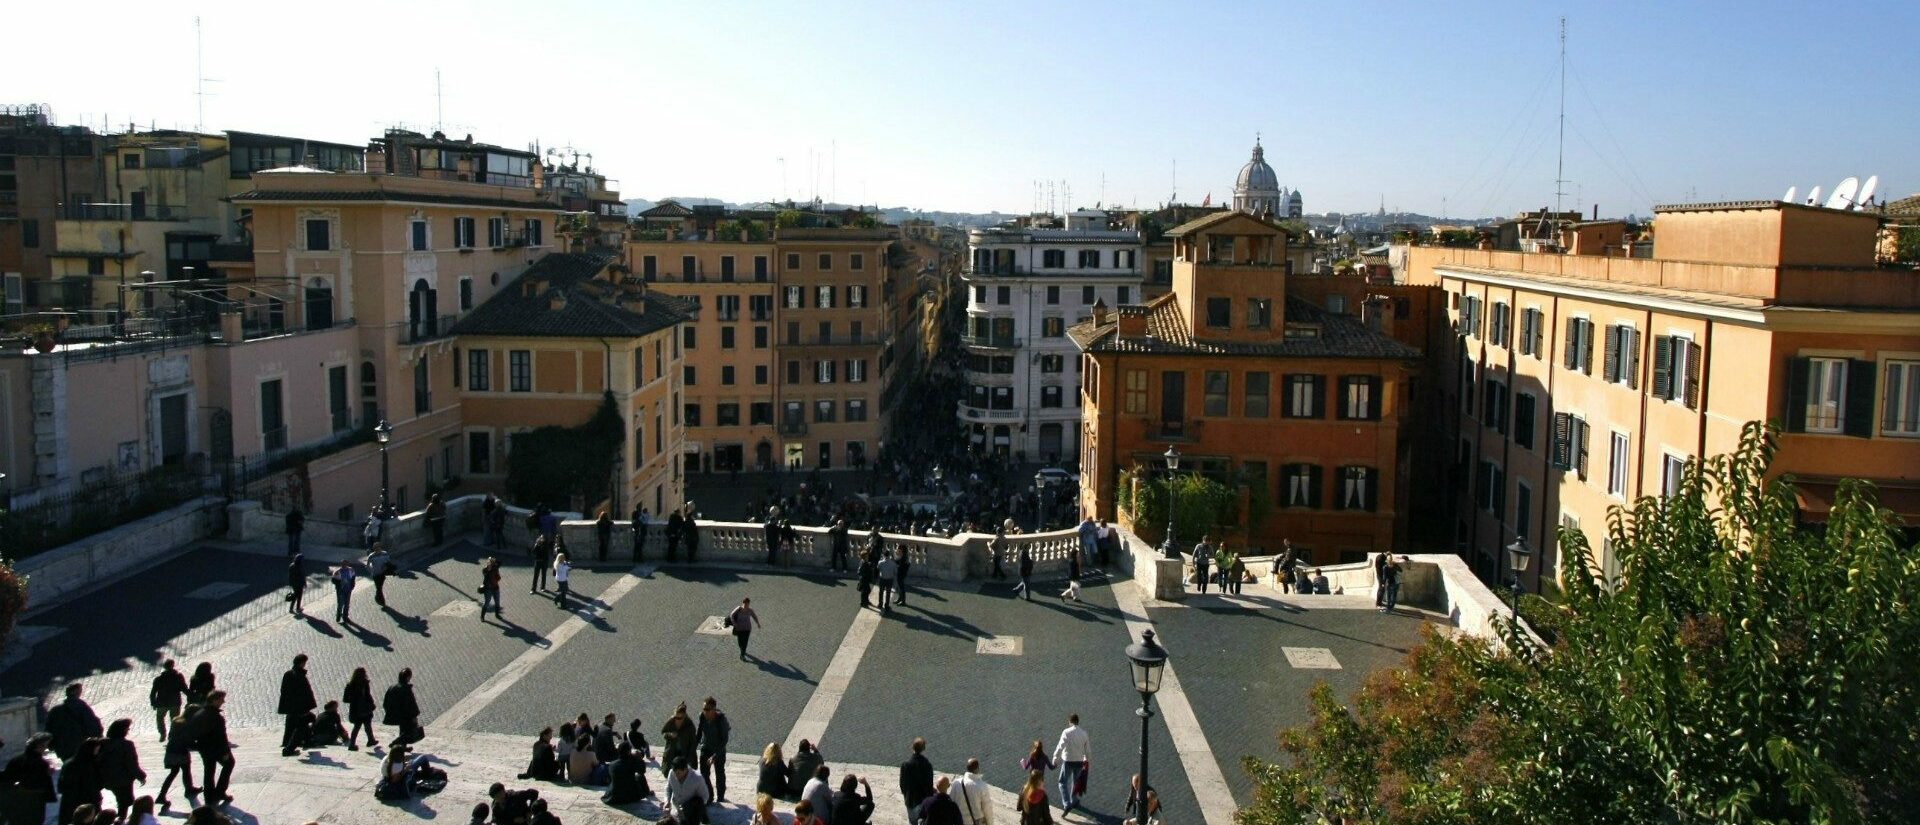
(1630, 365)
(1691, 388)
(1798, 371)
(1562, 441)
(1572, 360)
(1319, 396)
(1313, 485)
(1499, 493)
(1612, 371)
(1581, 434)
(1370, 490)
(1860, 387)
(1663, 350)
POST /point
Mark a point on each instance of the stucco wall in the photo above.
(64, 572)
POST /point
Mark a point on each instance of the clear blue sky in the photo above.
(963, 106)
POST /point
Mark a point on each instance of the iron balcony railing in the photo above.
(427, 328)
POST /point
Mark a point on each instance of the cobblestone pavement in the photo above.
(974, 670)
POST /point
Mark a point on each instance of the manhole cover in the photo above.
(1311, 658)
(713, 627)
(216, 590)
(458, 608)
(1000, 646)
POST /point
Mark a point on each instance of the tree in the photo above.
(1742, 668)
(553, 464)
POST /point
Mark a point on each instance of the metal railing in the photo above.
(427, 328)
(342, 420)
(123, 212)
(972, 413)
(793, 427)
(991, 341)
(274, 440)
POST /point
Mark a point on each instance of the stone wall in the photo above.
(63, 572)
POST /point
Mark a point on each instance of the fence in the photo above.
(54, 520)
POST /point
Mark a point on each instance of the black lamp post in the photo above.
(1039, 502)
(1148, 661)
(1518, 555)
(1172, 457)
(383, 433)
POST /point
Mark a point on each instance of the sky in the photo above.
(1440, 108)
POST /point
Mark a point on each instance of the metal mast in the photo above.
(1560, 167)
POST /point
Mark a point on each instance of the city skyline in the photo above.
(1442, 112)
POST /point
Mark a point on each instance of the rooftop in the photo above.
(574, 295)
(1334, 336)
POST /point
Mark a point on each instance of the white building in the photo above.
(1025, 286)
(1257, 190)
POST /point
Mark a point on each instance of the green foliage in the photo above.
(789, 218)
(1204, 504)
(1460, 238)
(13, 596)
(1743, 668)
(1906, 246)
(866, 222)
(553, 464)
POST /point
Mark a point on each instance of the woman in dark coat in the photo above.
(360, 707)
(774, 781)
(26, 786)
(626, 778)
(80, 779)
(544, 766)
(201, 684)
(120, 764)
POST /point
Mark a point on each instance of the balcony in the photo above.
(990, 341)
(794, 427)
(342, 420)
(1182, 432)
(123, 212)
(274, 440)
(427, 328)
(968, 413)
(865, 340)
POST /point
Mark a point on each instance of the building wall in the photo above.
(840, 439)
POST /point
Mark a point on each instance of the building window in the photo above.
(1259, 313)
(1470, 316)
(1490, 488)
(1358, 488)
(520, 370)
(1672, 470)
(1617, 466)
(650, 268)
(692, 415)
(1300, 485)
(726, 375)
(1902, 414)
(1122, 294)
(823, 411)
(1306, 396)
(1570, 443)
(856, 261)
(857, 296)
(1337, 304)
(823, 296)
(1053, 259)
(1220, 313)
(856, 409)
(1259, 387)
(1502, 324)
(1136, 393)
(273, 417)
(1053, 327)
(793, 262)
(760, 307)
(824, 262)
(1053, 363)
(479, 378)
(761, 412)
(1053, 295)
(796, 298)
(422, 388)
(823, 371)
(1523, 414)
(689, 268)
(462, 233)
(1623, 355)
(793, 372)
(418, 234)
(319, 236)
(760, 374)
(1676, 370)
(1005, 296)
(856, 370)
(726, 337)
(1360, 397)
(726, 307)
(726, 269)
(1532, 327)
(689, 376)
(1086, 295)
(1050, 396)
(760, 268)
(1215, 398)
(479, 453)
(497, 232)
(1089, 259)
(536, 232)
(1819, 394)
(1496, 408)
(1579, 352)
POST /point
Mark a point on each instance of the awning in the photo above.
(1817, 497)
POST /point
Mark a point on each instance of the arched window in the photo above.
(319, 303)
(422, 312)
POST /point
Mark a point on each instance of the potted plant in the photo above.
(43, 337)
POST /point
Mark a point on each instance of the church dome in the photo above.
(1257, 176)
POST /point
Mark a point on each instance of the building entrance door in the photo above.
(173, 430)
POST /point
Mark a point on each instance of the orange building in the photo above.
(1254, 386)
(1575, 383)
(837, 331)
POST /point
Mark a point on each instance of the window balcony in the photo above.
(427, 328)
(793, 428)
(969, 413)
(990, 341)
(1181, 432)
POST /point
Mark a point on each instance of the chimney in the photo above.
(1100, 311)
(376, 158)
(556, 300)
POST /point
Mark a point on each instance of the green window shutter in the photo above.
(1690, 390)
(1799, 370)
(1630, 360)
(1612, 371)
(1663, 350)
(1860, 387)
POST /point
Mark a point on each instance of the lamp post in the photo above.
(1039, 502)
(1147, 661)
(1518, 555)
(1172, 457)
(383, 433)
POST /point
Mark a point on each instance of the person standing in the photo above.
(359, 698)
(487, 508)
(71, 723)
(771, 536)
(940, 809)
(296, 583)
(210, 739)
(403, 710)
(639, 533)
(562, 572)
(379, 566)
(1025, 588)
(370, 533)
(975, 796)
(997, 551)
(916, 780)
(1108, 541)
(1089, 538)
(887, 569)
(1229, 570)
(603, 533)
(120, 764)
(742, 621)
(201, 685)
(1283, 565)
(79, 781)
(842, 544)
(296, 524)
(868, 572)
(678, 739)
(490, 587)
(676, 528)
(1391, 585)
(712, 733)
(901, 565)
(542, 550)
(692, 526)
(1071, 755)
(1380, 579)
(437, 519)
(165, 696)
(343, 580)
(296, 701)
(1202, 561)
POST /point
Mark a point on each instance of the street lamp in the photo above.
(383, 433)
(1039, 502)
(1518, 555)
(1147, 661)
(1172, 457)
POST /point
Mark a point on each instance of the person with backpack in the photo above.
(742, 620)
(168, 691)
(403, 710)
(296, 701)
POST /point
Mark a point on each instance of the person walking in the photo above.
(370, 532)
(678, 739)
(997, 551)
(79, 781)
(201, 685)
(916, 779)
(1283, 566)
(120, 764)
(437, 519)
(975, 796)
(675, 530)
(1071, 755)
(888, 570)
(72, 722)
(1025, 588)
(343, 580)
(842, 544)
(712, 732)
(1031, 803)
(490, 587)
(901, 565)
(562, 573)
(379, 567)
(603, 534)
(295, 525)
(29, 780)
(1229, 570)
(296, 583)
(210, 739)
(639, 525)
(742, 620)
(296, 701)
(360, 707)
(542, 550)
(403, 710)
(178, 758)
(1202, 561)
(165, 695)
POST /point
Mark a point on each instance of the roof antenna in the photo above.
(439, 104)
(1560, 167)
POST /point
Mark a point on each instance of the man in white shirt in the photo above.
(973, 795)
(562, 570)
(1071, 755)
(687, 793)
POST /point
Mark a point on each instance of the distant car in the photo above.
(1055, 475)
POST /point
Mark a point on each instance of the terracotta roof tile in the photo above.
(1338, 336)
(587, 310)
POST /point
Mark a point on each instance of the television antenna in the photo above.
(200, 78)
(1842, 197)
(1813, 198)
(1789, 196)
(1867, 190)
